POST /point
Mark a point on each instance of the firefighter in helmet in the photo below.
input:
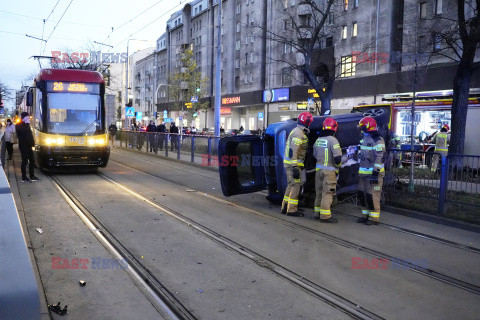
(441, 140)
(371, 171)
(295, 150)
(328, 153)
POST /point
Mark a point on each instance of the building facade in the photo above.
(370, 47)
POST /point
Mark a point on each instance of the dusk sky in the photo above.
(82, 23)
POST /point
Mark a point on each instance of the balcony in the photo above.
(304, 10)
(305, 32)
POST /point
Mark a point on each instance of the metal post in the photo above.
(178, 145)
(127, 119)
(209, 151)
(167, 138)
(218, 74)
(442, 193)
(193, 148)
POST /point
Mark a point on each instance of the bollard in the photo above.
(209, 151)
(193, 149)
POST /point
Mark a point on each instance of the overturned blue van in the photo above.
(249, 163)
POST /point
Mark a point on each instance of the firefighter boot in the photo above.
(363, 202)
(295, 214)
(329, 220)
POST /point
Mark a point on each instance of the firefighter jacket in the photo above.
(296, 147)
(372, 149)
(441, 141)
(325, 150)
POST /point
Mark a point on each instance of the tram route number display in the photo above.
(59, 86)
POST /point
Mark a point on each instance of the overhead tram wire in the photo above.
(151, 22)
(45, 21)
(57, 25)
(130, 20)
(65, 22)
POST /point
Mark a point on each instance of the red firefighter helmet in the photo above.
(445, 126)
(368, 124)
(330, 124)
(305, 119)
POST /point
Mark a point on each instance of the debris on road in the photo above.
(39, 230)
(58, 309)
(199, 290)
(82, 283)
(190, 190)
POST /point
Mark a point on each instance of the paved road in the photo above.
(217, 283)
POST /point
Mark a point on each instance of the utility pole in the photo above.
(218, 72)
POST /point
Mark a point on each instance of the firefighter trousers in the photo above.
(325, 187)
(437, 157)
(290, 199)
(370, 195)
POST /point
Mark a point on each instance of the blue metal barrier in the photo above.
(19, 297)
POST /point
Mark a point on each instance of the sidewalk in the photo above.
(57, 236)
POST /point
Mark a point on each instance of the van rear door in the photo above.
(241, 164)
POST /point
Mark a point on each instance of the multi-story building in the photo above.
(369, 47)
(144, 87)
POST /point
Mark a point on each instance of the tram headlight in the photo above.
(60, 141)
(96, 142)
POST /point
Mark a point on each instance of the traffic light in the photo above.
(195, 114)
(198, 89)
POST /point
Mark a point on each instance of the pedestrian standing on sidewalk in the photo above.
(175, 137)
(113, 132)
(10, 138)
(151, 133)
(26, 144)
(161, 129)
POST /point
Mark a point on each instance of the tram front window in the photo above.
(74, 113)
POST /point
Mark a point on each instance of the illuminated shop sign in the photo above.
(276, 95)
(59, 86)
(231, 100)
(301, 106)
(225, 111)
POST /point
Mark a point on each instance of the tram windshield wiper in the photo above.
(91, 124)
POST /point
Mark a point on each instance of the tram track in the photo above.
(337, 301)
(164, 298)
(381, 224)
(428, 272)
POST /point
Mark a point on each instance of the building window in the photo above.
(287, 76)
(354, 29)
(237, 45)
(331, 19)
(437, 42)
(252, 57)
(292, 3)
(252, 39)
(344, 32)
(200, 8)
(285, 4)
(345, 5)
(355, 4)
(238, 26)
(438, 6)
(329, 42)
(347, 67)
(285, 24)
(239, 8)
(237, 63)
(285, 48)
(248, 19)
(423, 10)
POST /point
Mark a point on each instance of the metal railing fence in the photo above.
(445, 186)
(200, 149)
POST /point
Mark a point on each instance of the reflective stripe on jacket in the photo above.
(296, 147)
(441, 142)
(325, 150)
(371, 155)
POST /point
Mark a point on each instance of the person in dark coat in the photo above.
(174, 138)
(26, 144)
(152, 129)
(161, 138)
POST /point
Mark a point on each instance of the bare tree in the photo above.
(303, 34)
(462, 38)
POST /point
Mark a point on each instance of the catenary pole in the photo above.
(218, 74)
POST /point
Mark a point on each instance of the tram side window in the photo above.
(38, 111)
